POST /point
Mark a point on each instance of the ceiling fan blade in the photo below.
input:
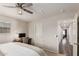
(27, 4)
(19, 4)
(27, 10)
(10, 6)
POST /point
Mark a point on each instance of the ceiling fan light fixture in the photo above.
(19, 11)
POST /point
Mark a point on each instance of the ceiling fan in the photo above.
(21, 6)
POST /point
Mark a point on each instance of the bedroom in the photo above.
(42, 27)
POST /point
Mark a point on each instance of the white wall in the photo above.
(16, 27)
(44, 31)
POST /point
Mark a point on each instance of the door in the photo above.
(78, 38)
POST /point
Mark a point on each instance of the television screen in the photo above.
(22, 35)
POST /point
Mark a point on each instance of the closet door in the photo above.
(39, 34)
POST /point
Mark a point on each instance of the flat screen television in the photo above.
(22, 35)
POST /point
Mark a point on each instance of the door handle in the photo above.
(76, 43)
(56, 36)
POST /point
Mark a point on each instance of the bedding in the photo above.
(20, 49)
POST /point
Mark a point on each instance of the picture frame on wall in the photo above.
(5, 27)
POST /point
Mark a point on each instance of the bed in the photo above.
(20, 49)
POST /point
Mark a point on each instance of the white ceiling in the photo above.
(41, 10)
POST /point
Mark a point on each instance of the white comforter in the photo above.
(17, 49)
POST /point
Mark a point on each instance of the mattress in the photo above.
(20, 49)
